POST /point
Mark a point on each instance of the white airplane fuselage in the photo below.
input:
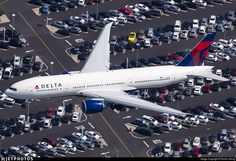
(124, 79)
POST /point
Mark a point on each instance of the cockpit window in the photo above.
(13, 89)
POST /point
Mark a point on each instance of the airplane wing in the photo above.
(99, 58)
(209, 75)
(120, 97)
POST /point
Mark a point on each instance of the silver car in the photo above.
(193, 33)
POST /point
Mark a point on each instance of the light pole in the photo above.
(137, 54)
(87, 15)
(51, 64)
(13, 15)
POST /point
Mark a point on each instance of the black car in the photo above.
(196, 111)
(64, 32)
(32, 118)
(4, 45)
(16, 43)
(69, 108)
(154, 61)
(70, 5)
(18, 129)
(219, 114)
(179, 95)
(204, 140)
(226, 145)
(75, 50)
(155, 41)
(7, 63)
(84, 27)
(37, 126)
(72, 138)
(226, 105)
(93, 26)
(8, 132)
(191, 5)
(2, 105)
(36, 2)
(147, 14)
(232, 101)
(204, 150)
(16, 71)
(157, 151)
(56, 121)
(187, 154)
(40, 115)
(37, 66)
(212, 138)
(81, 146)
(143, 61)
(157, 130)
(182, 6)
(53, 7)
(166, 37)
(11, 122)
(2, 124)
(224, 84)
(186, 25)
(216, 87)
(28, 59)
(144, 131)
(62, 6)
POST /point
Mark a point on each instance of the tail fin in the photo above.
(198, 54)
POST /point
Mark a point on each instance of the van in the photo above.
(9, 101)
(177, 27)
(156, 12)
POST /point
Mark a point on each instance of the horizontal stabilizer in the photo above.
(209, 75)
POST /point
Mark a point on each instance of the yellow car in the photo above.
(132, 37)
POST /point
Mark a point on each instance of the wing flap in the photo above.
(209, 75)
(120, 97)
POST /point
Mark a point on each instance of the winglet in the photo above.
(99, 58)
(198, 54)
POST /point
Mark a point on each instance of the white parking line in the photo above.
(12, 27)
(104, 153)
(68, 42)
(126, 117)
(145, 143)
(29, 51)
(91, 125)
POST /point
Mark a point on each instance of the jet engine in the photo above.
(94, 105)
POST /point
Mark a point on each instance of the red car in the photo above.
(161, 119)
(177, 146)
(50, 113)
(161, 98)
(126, 11)
(163, 90)
(206, 88)
(65, 119)
(172, 55)
(233, 71)
(196, 152)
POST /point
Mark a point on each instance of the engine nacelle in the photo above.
(94, 105)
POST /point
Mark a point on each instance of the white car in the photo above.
(47, 123)
(219, 72)
(218, 45)
(176, 125)
(92, 135)
(200, 2)
(61, 111)
(233, 81)
(195, 23)
(217, 107)
(1, 72)
(75, 117)
(17, 61)
(79, 135)
(223, 56)
(190, 82)
(202, 30)
(133, 8)
(150, 119)
(150, 33)
(81, 3)
(141, 7)
(203, 119)
(147, 43)
(44, 145)
(64, 141)
(197, 90)
(114, 20)
(186, 143)
(196, 142)
(7, 73)
(212, 57)
(175, 36)
(21, 119)
(122, 19)
(212, 20)
(167, 147)
(194, 120)
(216, 146)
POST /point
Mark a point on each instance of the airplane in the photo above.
(103, 85)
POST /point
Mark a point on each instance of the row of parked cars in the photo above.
(198, 146)
(48, 6)
(221, 50)
(147, 125)
(80, 140)
(17, 66)
(9, 37)
(38, 121)
(128, 13)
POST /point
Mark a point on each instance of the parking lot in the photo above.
(111, 124)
